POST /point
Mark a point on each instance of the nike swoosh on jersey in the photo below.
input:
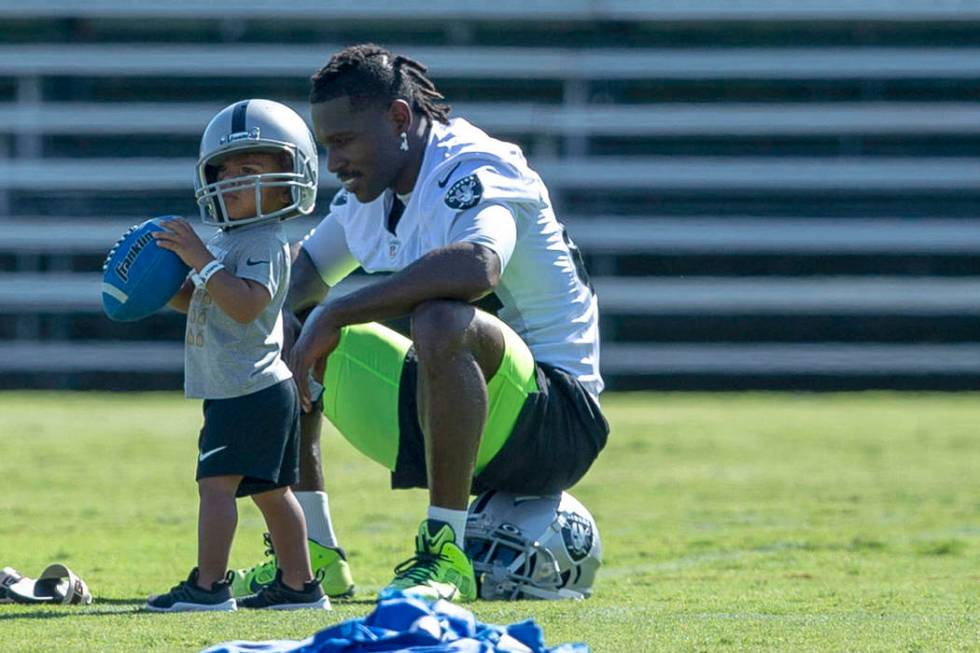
(249, 261)
(445, 180)
(208, 454)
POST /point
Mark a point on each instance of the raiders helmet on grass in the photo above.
(256, 125)
(535, 547)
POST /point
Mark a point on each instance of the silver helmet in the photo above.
(536, 547)
(256, 125)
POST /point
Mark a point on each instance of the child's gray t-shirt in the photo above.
(223, 358)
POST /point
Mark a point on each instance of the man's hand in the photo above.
(317, 341)
(182, 240)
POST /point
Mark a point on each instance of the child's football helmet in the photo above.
(256, 125)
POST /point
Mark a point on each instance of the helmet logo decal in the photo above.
(577, 534)
(253, 133)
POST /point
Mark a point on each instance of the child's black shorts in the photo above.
(255, 435)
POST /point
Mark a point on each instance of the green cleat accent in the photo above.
(246, 582)
(331, 562)
(439, 570)
(337, 581)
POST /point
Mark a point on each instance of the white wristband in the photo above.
(209, 271)
(196, 278)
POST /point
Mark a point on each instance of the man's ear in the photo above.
(401, 116)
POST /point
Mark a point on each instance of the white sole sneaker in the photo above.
(227, 606)
(321, 604)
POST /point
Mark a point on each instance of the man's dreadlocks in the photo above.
(371, 75)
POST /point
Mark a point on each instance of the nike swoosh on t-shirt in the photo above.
(208, 454)
(249, 261)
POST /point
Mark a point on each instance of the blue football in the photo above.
(139, 277)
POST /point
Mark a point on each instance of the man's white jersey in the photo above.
(544, 289)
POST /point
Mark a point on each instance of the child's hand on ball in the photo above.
(182, 240)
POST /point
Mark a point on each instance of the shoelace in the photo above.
(267, 540)
(419, 568)
(272, 594)
(178, 587)
(185, 588)
(179, 591)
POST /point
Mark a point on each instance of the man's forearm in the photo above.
(461, 271)
(306, 288)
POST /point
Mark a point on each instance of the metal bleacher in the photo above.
(768, 193)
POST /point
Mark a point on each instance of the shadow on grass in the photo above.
(342, 602)
(67, 611)
(111, 607)
(133, 602)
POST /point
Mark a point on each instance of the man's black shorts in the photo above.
(559, 433)
(255, 436)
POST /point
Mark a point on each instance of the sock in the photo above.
(316, 511)
(455, 518)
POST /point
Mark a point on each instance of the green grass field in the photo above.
(730, 522)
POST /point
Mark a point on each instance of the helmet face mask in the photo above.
(260, 126)
(532, 547)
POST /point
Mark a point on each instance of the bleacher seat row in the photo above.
(768, 194)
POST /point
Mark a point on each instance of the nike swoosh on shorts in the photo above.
(208, 454)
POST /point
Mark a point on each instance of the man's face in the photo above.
(362, 146)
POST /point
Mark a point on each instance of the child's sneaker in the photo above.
(279, 596)
(188, 597)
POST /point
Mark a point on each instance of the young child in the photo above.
(258, 166)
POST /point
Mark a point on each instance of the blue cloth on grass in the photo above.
(402, 624)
